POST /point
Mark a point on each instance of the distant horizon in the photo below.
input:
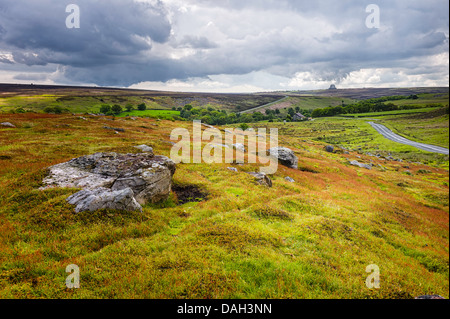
(211, 92)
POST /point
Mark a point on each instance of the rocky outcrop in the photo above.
(285, 156)
(108, 178)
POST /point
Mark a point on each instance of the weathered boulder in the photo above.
(285, 156)
(106, 175)
(261, 179)
(104, 198)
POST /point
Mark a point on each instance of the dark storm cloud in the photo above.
(36, 33)
(126, 42)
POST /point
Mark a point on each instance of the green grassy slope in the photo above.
(310, 239)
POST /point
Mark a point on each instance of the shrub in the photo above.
(116, 109)
(244, 126)
(142, 107)
(105, 109)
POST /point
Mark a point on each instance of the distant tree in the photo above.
(258, 116)
(206, 119)
(116, 109)
(291, 111)
(55, 109)
(129, 107)
(297, 109)
(105, 108)
(142, 107)
(277, 111)
(188, 107)
(195, 111)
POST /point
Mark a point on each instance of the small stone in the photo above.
(145, 148)
(261, 179)
(329, 148)
(7, 124)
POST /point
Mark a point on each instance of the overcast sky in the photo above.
(226, 45)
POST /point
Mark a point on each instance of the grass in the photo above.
(310, 239)
(161, 114)
(397, 112)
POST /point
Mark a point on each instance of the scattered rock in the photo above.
(149, 177)
(114, 129)
(285, 156)
(261, 179)
(7, 124)
(145, 148)
(289, 179)
(356, 163)
(239, 147)
(232, 169)
(329, 148)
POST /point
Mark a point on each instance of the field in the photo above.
(387, 113)
(161, 114)
(312, 238)
(89, 99)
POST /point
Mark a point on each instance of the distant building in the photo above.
(332, 87)
(299, 117)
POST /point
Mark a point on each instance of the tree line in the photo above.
(212, 116)
(367, 106)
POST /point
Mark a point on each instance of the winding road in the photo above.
(387, 133)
